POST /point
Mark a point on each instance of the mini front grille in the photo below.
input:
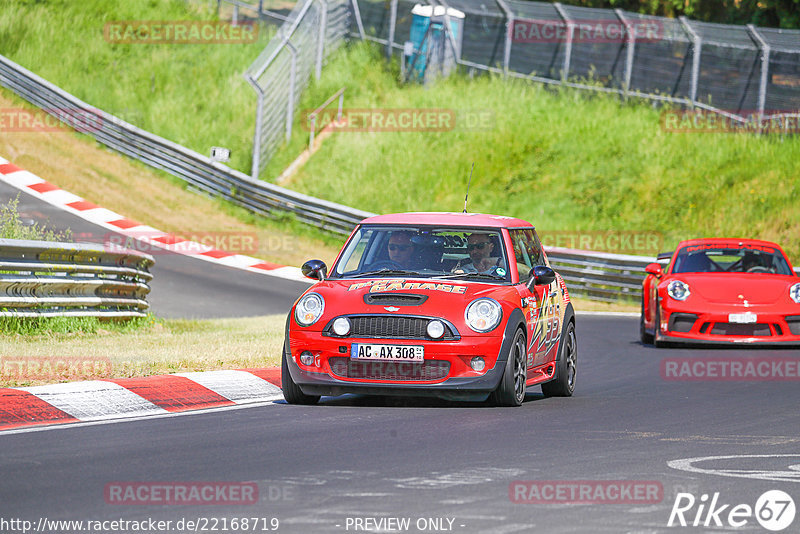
(396, 371)
(736, 329)
(392, 327)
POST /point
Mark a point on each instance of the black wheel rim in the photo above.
(571, 358)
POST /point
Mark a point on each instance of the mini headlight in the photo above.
(678, 290)
(483, 315)
(341, 326)
(309, 309)
(794, 293)
(435, 329)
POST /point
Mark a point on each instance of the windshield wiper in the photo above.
(386, 271)
(477, 275)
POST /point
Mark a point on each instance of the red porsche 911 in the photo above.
(722, 291)
(461, 306)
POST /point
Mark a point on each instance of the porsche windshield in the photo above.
(412, 251)
(713, 258)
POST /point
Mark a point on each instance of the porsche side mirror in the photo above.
(315, 269)
(654, 269)
(541, 276)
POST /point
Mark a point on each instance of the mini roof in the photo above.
(449, 219)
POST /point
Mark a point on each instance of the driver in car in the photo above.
(401, 249)
(480, 249)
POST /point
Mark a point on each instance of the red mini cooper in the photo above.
(722, 291)
(460, 306)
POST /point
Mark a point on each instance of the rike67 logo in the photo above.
(774, 510)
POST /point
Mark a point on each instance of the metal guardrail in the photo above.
(45, 279)
(600, 275)
(199, 171)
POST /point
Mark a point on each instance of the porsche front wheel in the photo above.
(644, 335)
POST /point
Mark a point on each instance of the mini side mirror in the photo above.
(541, 276)
(654, 269)
(315, 269)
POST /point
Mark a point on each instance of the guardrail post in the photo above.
(697, 45)
(292, 81)
(323, 30)
(235, 21)
(392, 27)
(570, 37)
(255, 169)
(509, 35)
(762, 86)
(360, 24)
(631, 41)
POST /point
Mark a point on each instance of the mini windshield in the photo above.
(427, 252)
(713, 258)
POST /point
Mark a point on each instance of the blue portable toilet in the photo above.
(429, 51)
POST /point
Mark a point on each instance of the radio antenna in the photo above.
(468, 183)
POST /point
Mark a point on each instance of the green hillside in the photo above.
(193, 94)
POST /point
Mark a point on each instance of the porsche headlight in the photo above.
(309, 309)
(678, 290)
(794, 293)
(483, 315)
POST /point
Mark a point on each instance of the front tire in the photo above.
(563, 384)
(291, 391)
(511, 390)
(644, 336)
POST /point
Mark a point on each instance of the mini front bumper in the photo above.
(460, 382)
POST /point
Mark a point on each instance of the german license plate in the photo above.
(742, 318)
(387, 353)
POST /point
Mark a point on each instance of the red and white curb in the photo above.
(125, 398)
(30, 183)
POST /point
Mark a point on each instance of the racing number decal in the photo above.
(546, 329)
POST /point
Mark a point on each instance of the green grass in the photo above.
(192, 94)
(563, 159)
(156, 346)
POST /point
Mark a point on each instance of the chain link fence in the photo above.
(738, 71)
(311, 31)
